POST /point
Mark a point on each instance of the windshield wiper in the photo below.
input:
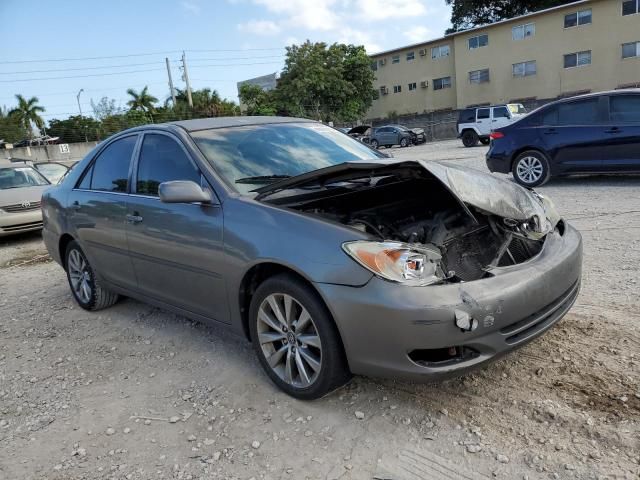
(262, 179)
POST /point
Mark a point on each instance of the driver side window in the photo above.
(162, 159)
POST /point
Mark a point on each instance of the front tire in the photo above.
(404, 143)
(374, 144)
(86, 288)
(531, 169)
(470, 138)
(295, 338)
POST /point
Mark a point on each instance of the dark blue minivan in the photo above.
(594, 133)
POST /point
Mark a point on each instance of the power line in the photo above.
(80, 76)
(166, 52)
(81, 68)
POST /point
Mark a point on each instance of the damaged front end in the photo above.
(427, 222)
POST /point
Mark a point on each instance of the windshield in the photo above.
(20, 177)
(517, 108)
(53, 171)
(275, 151)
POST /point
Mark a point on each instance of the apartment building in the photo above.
(588, 45)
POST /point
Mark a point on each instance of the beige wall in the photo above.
(604, 37)
(422, 68)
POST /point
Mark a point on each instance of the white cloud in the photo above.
(190, 6)
(260, 27)
(376, 10)
(358, 37)
(307, 14)
(419, 33)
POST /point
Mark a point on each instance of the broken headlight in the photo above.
(398, 262)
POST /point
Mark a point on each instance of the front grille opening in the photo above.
(519, 250)
(441, 357)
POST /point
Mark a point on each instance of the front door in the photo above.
(623, 131)
(500, 117)
(98, 208)
(176, 248)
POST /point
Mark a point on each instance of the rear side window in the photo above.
(483, 113)
(162, 159)
(467, 116)
(582, 112)
(110, 171)
(625, 108)
(500, 112)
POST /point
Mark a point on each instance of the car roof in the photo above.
(620, 91)
(224, 122)
(18, 164)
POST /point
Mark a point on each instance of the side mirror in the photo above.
(183, 191)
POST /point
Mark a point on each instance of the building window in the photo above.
(479, 41)
(583, 17)
(411, 56)
(524, 69)
(395, 59)
(374, 65)
(440, 83)
(523, 31)
(631, 50)
(479, 76)
(578, 59)
(440, 51)
(630, 7)
(412, 86)
(397, 88)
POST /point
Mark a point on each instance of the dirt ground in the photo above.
(134, 392)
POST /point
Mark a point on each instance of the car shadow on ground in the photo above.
(603, 180)
(20, 238)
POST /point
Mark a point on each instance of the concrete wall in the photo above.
(50, 153)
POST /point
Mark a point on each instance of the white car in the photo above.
(475, 124)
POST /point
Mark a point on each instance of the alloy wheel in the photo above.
(80, 276)
(289, 340)
(529, 169)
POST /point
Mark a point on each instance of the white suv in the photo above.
(475, 124)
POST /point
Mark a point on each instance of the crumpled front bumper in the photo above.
(381, 323)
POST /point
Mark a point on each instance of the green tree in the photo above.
(206, 103)
(142, 101)
(466, 14)
(257, 101)
(11, 129)
(106, 107)
(326, 82)
(27, 112)
(75, 129)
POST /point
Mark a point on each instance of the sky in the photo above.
(52, 50)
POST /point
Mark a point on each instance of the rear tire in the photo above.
(531, 169)
(85, 286)
(469, 138)
(305, 361)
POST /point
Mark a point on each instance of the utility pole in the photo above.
(186, 79)
(173, 92)
(78, 98)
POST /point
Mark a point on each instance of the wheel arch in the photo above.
(64, 242)
(261, 272)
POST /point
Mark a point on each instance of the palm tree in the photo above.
(27, 112)
(142, 101)
(206, 102)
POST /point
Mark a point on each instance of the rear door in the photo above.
(483, 121)
(574, 137)
(176, 248)
(623, 130)
(97, 210)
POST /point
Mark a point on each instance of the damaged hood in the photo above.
(471, 187)
(496, 196)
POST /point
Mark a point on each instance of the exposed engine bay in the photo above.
(417, 209)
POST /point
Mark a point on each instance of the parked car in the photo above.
(594, 133)
(475, 124)
(390, 135)
(330, 258)
(419, 135)
(53, 171)
(21, 187)
(361, 133)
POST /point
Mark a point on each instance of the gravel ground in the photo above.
(134, 392)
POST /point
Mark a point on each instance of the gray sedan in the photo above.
(332, 259)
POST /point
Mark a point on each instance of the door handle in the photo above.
(613, 130)
(134, 218)
(551, 131)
